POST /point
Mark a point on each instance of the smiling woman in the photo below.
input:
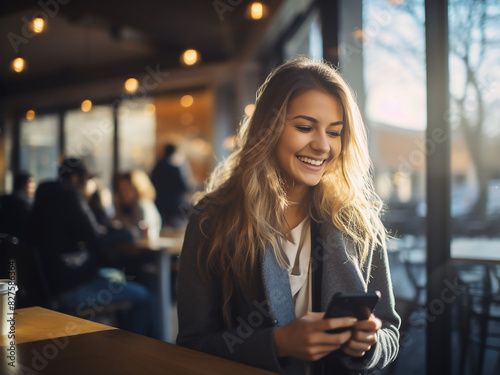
(288, 220)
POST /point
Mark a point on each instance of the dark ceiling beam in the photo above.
(173, 80)
(74, 76)
(15, 6)
(107, 100)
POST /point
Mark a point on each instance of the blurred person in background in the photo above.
(14, 208)
(134, 197)
(136, 211)
(71, 244)
(171, 186)
(95, 198)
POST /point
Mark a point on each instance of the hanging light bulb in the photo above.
(187, 101)
(30, 115)
(190, 57)
(256, 11)
(86, 105)
(38, 25)
(18, 64)
(131, 85)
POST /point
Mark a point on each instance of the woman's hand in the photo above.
(363, 337)
(305, 337)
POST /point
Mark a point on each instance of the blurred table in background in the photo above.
(165, 248)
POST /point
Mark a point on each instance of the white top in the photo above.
(297, 249)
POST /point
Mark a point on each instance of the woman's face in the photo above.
(126, 191)
(310, 140)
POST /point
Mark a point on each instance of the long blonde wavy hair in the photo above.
(246, 197)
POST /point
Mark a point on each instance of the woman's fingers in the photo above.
(305, 337)
(363, 337)
(372, 324)
(334, 323)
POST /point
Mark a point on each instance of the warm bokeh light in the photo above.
(396, 2)
(187, 118)
(190, 57)
(150, 109)
(256, 11)
(131, 85)
(86, 105)
(18, 64)
(30, 115)
(38, 25)
(230, 142)
(187, 101)
(249, 109)
(358, 34)
(201, 147)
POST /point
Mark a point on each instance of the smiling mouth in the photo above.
(311, 161)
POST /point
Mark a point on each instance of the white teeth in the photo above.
(310, 161)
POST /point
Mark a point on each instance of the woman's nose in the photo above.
(320, 143)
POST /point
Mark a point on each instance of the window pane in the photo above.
(306, 40)
(89, 136)
(136, 133)
(5, 152)
(474, 112)
(39, 146)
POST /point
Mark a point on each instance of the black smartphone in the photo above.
(356, 304)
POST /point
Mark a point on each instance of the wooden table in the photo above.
(52, 343)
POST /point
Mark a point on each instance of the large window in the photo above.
(39, 148)
(307, 40)
(474, 63)
(383, 55)
(136, 135)
(89, 136)
(474, 39)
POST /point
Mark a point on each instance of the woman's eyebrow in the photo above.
(312, 119)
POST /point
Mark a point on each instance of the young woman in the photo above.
(134, 196)
(288, 220)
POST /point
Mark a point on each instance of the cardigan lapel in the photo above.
(277, 289)
(340, 269)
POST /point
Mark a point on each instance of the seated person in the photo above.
(14, 207)
(134, 196)
(70, 243)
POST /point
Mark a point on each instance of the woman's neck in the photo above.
(298, 207)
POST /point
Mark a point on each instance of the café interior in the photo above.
(112, 83)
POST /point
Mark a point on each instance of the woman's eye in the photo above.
(303, 128)
(334, 134)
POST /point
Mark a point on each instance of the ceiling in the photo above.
(92, 46)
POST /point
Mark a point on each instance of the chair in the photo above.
(410, 258)
(24, 266)
(414, 262)
(479, 311)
